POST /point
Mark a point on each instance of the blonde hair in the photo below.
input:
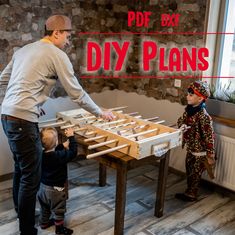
(49, 138)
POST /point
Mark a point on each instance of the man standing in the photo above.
(31, 74)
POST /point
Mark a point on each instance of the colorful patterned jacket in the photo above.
(200, 137)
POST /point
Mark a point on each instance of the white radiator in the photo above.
(225, 164)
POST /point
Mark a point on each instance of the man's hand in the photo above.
(107, 115)
(69, 132)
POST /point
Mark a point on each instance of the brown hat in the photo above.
(201, 89)
(58, 22)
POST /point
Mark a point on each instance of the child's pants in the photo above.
(52, 202)
(194, 169)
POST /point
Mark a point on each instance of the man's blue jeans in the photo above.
(25, 144)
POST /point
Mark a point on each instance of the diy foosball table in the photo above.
(125, 143)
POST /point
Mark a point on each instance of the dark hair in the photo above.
(48, 32)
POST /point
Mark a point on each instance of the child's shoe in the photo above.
(184, 197)
(47, 225)
(61, 230)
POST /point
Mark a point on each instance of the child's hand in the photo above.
(66, 144)
(184, 127)
(69, 132)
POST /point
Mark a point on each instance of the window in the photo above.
(226, 59)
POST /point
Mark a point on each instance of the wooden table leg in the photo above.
(161, 186)
(102, 175)
(120, 199)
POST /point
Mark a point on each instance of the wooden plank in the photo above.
(185, 217)
(5, 194)
(107, 232)
(228, 229)
(7, 216)
(222, 215)
(184, 232)
(86, 214)
(10, 228)
(105, 221)
(136, 190)
(6, 184)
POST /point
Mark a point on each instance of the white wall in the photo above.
(6, 160)
(147, 107)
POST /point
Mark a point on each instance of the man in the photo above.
(31, 74)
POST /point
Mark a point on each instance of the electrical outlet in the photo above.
(177, 83)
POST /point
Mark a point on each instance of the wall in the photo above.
(22, 22)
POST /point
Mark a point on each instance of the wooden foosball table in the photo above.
(123, 144)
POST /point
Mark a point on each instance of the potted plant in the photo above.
(221, 103)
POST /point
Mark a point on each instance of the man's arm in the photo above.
(65, 72)
(6, 73)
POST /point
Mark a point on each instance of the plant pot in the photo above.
(221, 108)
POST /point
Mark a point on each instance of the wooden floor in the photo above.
(90, 208)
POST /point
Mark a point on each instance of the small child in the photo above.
(52, 194)
(198, 135)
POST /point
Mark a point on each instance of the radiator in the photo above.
(225, 163)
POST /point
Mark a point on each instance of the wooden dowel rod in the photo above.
(117, 108)
(85, 118)
(107, 151)
(82, 129)
(95, 138)
(159, 122)
(109, 123)
(102, 144)
(90, 133)
(138, 116)
(173, 125)
(141, 133)
(121, 125)
(67, 126)
(55, 124)
(150, 119)
(131, 114)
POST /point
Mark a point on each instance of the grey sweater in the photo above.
(31, 75)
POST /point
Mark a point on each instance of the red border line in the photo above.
(154, 33)
(151, 76)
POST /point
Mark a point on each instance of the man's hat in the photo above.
(58, 22)
(201, 89)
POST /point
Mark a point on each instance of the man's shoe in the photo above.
(61, 230)
(184, 197)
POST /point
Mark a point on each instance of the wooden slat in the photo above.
(185, 217)
(222, 215)
(141, 133)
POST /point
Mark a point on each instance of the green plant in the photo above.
(222, 92)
